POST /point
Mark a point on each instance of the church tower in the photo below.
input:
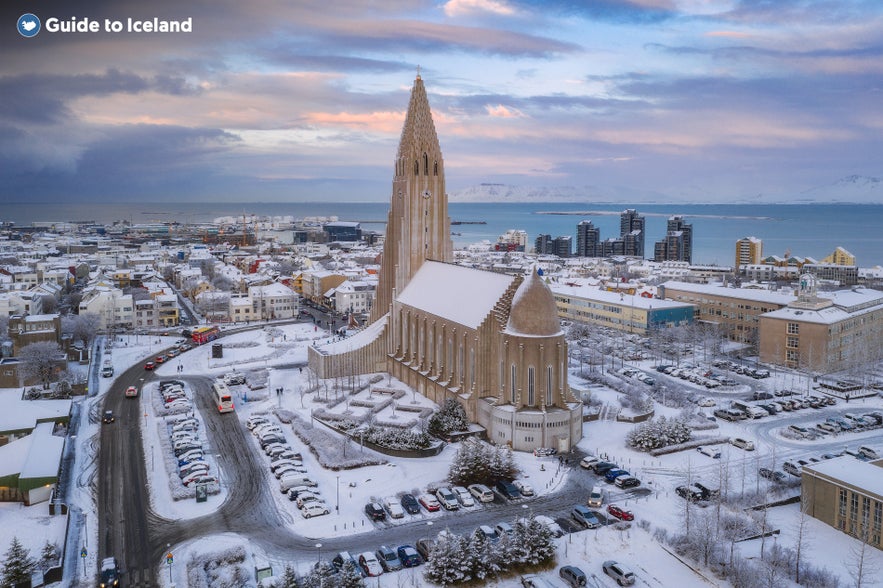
(418, 227)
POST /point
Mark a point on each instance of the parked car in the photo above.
(425, 547)
(611, 475)
(393, 507)
(429, 502)
(627, 481)
(620, 513)
(410, 504)
(772, 475)
(370, 564)
(791, 468)
(481, 492)
(712, 452)
(314, 509)
(707, 492)
(573, 576)
(588, 461)
(585, 517)
(305, 498)
(507, 490)
(341, 558)
(523, 487)
(534, 581)
(689, 493)
(742, 443)
(504, 530)
(388, 558)
(447, 498)
(490, 533)
(409, 556)
(623, 575)
(463, 496)
(602, 467)
(374, 511)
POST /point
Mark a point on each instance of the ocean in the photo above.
(813, 230)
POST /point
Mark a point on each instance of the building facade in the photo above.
(677, 245)
(847, 494)
(628, 313)
(749, 251)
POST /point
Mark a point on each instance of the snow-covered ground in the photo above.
(269, 356)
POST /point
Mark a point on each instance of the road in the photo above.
(139, 538)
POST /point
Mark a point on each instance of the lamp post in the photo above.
(337, 506)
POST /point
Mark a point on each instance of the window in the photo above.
(791, 355)
(512, 385)
(531, 386)
(793, 329)
(549, 386)
(792, 342)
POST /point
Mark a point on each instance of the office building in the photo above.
(588, 240)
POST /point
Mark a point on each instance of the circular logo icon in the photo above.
(28, 25)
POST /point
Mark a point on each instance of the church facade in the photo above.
(491, 341)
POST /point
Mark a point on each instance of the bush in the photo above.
(657, 433)
(451, 417)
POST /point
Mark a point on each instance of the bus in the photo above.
(205, 334)
(223, 397)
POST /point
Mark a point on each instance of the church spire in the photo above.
(418, 227)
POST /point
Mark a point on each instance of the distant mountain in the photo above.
(855, 189)
(594, 194)
(852, 189)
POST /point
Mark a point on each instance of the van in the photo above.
(286, 483)
(596, 497)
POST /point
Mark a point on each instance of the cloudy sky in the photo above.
(711, 100)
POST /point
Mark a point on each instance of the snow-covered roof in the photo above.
(632, 300)
(741, 293)
(44, 456)
(360, 339)
(847, 469)
(461, 294)
(17, 414)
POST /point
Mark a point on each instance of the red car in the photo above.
(429, 502)
(623, 515)
(160, 358)
(149, 366)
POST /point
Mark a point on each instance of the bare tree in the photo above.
(862, 569)
(82, 327)
(801, 542)
(37, 361)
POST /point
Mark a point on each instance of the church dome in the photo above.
(533, 311)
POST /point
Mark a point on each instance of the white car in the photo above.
(306, 497)
(588, 461)
(463, 496)
(481, 492)
(370, 564)
(713, 452)
(314, 509)
(742, 443)
(523, 487)
(394, 507)
(707, 402)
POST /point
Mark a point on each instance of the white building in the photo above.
(273, 301)
(353, 296)
(113, 307)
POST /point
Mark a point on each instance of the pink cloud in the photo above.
(465, 7)
(500, 111)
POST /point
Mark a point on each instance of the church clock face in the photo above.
(427, 194)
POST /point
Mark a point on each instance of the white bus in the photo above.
(223, 398)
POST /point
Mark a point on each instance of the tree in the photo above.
(451, 417)
(81, 327)
(18, 565)
(450, 562)
(862, 570)
(533, 542)
(289, 578)
(800, 542)
(349, 576)
(478, 462)
(483, 561)
(49, 556)
(37, 361)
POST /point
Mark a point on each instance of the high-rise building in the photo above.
(749, 251)
(631, 230)
(588, 240)
(543, 244)
(677, 245)
(562, 246)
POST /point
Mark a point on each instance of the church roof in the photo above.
(461, 294)
(533, 310)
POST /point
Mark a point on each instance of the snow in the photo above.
(460, 294)
(851, 472)
(18, 414)
(44, 454)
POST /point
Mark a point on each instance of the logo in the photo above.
(28, 25)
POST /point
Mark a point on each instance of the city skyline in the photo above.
(667, 100)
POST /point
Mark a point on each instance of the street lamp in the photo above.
(337, 506)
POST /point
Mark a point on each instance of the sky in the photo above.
(287, 101)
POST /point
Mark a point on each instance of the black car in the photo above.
(602, 467)
(508, 490)
(707, 493)
(410, 504)
(375, 512)
(108, 416)
(689, 493)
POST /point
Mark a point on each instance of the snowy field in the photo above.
(270, 356)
